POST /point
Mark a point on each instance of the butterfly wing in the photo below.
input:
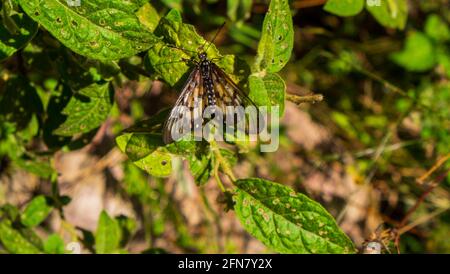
(227, 91)
(229, 94)
(187, 107)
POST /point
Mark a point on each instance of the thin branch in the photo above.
(298, 100)
(421, 220)
(301, 4)
(422, 199)
(439, 163)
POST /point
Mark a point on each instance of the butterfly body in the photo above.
(208, 86)
(205, 68)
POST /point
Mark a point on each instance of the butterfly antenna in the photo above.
(182, 49)
(214, 38)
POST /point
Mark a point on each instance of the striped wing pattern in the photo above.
(193, 100)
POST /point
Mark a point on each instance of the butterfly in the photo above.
(207, 87)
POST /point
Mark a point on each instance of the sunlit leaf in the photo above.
(141, 145)
(36, 211)
(172, 65)
(268, 90)
(54, 245)
(105, 30)
(87, 109)
(14, 242)
(277, 40)
(390, 13)
(148, 16)
(286, 221)
(344, 7)
(156, 161)
(11, 42)
(108, 235)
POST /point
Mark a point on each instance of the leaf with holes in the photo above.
(268, 90)
(286, 221)
(87, 109)
(277, 40)
(104, 30)
(156, 161)
(141, 145)
(169, 63)
(11, 42)
(344, 7)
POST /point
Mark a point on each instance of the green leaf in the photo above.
(169, 63)
(10, 212)
(104, 30)
(268, 90)
(286, 221)
(158, 163)
(13, 241)
(390, 13)
(8, 9)
(277, 39)
(418, 53)
(201, 163)
(148, 16)
(30, 235)
(141, 145)
(437, 28)
(78, 72)
(11, 42)
(344, 7)
(54, 245)
(36, 211)
(87, 109)
(108, 235)
(239, 10)
(201, 167)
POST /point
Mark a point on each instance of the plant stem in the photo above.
(217, 177)
(221, 162)
(297, 99)
(439, 163)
